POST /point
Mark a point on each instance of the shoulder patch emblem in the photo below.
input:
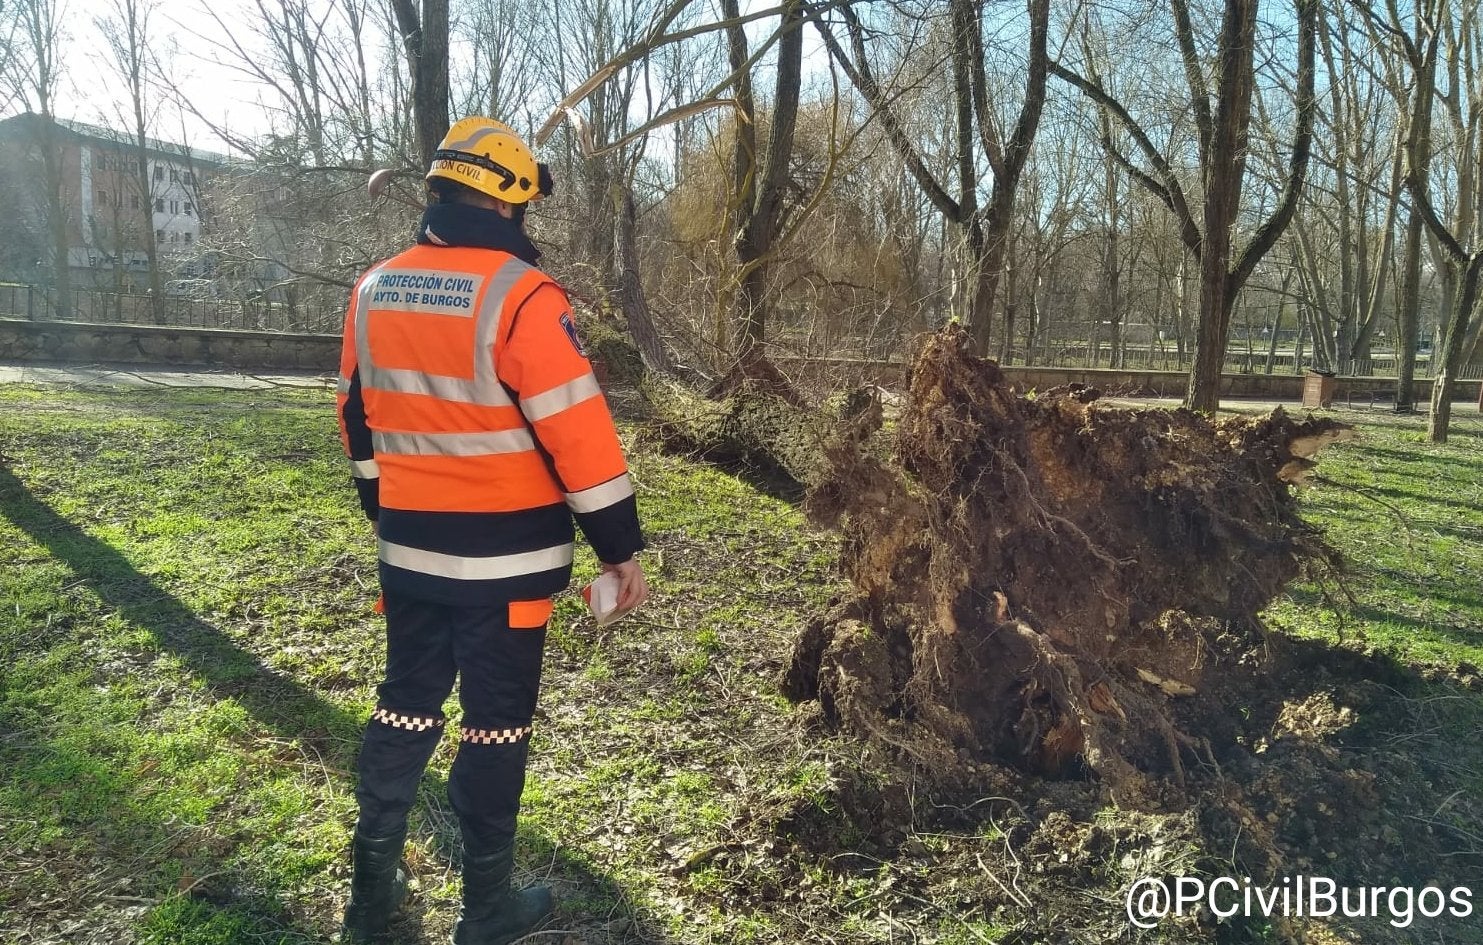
(570, 328)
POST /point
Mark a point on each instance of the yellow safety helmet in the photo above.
(488, 156)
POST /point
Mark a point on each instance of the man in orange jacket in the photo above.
(476, 434)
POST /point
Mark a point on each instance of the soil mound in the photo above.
(1055, 584)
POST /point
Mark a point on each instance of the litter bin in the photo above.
(1318, 389)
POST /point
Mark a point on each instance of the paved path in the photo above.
(102, 375)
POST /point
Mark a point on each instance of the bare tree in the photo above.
(977, 132)
(312, 61)
(1222, 118)
(509, 64)
(591, 33)
(1438, 23)
(425, 40)
(1420, 52)
(758, 204)
(32, 73)
(127, 31)
(1346, 194)
(757, 183)
(1058, 213)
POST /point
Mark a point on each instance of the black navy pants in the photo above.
(499, 672)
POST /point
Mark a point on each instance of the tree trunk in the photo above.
(762, 215)
(596, 247)
(1445, 376)
(1272, 341)
(1224, 161)
(1011, 306)
(131, 49)
(631, 293)
(56, 213)
(1183, 316)
(1370, 318)
(1409, 318)
(425, 40)
(146, 216)
(1008, 163)
(601, 200)
(1216, 302)
(1344, 202)
(978, 308)
(1111, 264)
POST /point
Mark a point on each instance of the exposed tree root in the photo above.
(1041, 581)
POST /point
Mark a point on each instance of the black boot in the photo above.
(378, 885)
(493, 913)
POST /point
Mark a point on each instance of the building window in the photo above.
(189, 236)
(174, 176)
(159, 236)
(190, 208)
(134, 201)
(159, 205)
(190, 178)
(159, 172)
(102, 198)
(175, 206)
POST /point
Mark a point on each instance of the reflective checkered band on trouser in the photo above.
(415, 723)
(493, 736)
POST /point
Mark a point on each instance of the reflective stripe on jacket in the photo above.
(475, 428)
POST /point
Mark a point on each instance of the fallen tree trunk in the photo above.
(760, 427)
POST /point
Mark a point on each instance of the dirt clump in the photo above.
(1053, 629)
(1042, 580)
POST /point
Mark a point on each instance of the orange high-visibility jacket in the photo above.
(476, 430)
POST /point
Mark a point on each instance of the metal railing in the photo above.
(322, 312)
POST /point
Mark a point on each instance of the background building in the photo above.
(111, 210)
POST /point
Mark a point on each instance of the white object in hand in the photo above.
(602, 598)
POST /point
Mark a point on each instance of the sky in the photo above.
(91, 92)
(186, 37)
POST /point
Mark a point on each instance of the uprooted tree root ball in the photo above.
(1043, 580)
(1055, 604)
(1049, 678)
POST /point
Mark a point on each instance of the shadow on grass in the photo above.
(591, 906)
(1421, 494)
(1464, 422)
(1396, 456)
(1458, 532)
(1361, 611)
(1413, 732)
(275, 700)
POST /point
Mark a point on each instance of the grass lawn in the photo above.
(187, 656)
(1408, 516)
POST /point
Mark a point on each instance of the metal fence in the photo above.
(1287, 360)
(320, 310)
